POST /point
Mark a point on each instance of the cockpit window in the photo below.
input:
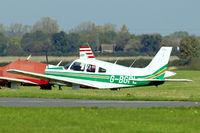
(102, 70)
(91, 68)
(77, 66)
(67, 65)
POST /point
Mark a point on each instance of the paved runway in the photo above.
(38, 102)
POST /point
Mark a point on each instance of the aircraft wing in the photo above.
(162, 80)
(50, 78)
(16, 80)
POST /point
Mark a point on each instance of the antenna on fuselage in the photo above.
(116, 61)
(28, 58)
(59, 63)
(132, 63)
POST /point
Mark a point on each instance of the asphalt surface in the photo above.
(40, 102)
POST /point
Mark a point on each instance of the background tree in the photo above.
(59, 42)
(27, 29)
(99, 29)
(174, 39)
(108, 37)
(14, 47)
(46, 25)
(109, 27)
(133, 47)
(93, 41)
(16, 29)
(2, 28)
(3, 44)
(65, 43)
(35, 42)
(189, 47)
(122, 38)
(178, 35)
(18, 39)
(151, 43)
(85, 28)
(73, 42)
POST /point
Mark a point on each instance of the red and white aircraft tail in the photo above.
(86, 53)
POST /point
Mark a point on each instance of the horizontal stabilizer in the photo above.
(169, 74)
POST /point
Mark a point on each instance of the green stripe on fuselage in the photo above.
(115, 79)
(55, 68)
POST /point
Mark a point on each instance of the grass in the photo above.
(112, 120)
(185, 91)
(101, 120)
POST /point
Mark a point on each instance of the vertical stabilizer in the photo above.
(160, 61)
(86, 52)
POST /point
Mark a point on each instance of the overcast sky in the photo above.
(140, 16)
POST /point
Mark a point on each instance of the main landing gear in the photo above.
(115, 89)
(46, 87)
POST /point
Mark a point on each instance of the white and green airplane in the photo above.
(92, 73)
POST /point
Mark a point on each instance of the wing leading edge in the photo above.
(17, 80)
(50, 78)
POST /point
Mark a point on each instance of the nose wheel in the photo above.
(115, 89)
(60, 87)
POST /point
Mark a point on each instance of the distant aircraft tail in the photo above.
(86, 52)
(158, 65)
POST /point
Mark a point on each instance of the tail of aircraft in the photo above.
(86, 53)
(158, 65)
(157, 69)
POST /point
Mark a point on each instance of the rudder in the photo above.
(160, 61)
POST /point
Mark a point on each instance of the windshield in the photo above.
(78, 66)
(67, 65)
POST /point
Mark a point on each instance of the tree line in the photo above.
(45, 36)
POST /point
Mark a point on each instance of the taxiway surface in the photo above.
(39, 102)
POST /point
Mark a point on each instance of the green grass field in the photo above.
(99, 120)
(103, 120)
(188, 91)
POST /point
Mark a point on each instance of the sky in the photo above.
(140, 16)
